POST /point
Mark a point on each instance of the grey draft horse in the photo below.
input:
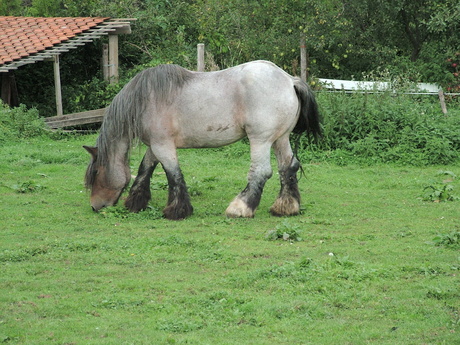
(168, 107)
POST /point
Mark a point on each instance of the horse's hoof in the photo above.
(136, 204)
(172, 212)
(239, 209)
(285, 207)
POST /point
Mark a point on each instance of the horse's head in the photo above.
(105, 181)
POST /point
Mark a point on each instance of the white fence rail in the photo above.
(375, 86)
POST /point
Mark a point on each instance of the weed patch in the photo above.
(285, 231)
(439, 191)
(450, 240)
(28, 187)
(120, 212)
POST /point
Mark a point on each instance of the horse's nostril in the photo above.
(93, 209)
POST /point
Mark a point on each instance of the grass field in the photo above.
(368, 261)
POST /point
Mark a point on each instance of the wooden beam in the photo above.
(57, 85)
(76, 119)
(126, 29)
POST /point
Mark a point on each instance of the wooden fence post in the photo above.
(442, 101)
(57, 85)
(200, 57)
(303, 57)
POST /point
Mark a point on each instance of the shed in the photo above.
(27, 40)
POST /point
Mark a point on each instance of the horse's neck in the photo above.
(116, 151)
(121, 152)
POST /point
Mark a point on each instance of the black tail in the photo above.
(309, 119)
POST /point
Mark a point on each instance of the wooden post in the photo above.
(113, 59)
(105, 61)
(303, 57)
(442, 101)
(200, 57)
(57, 85)
(9, 89)
(6, 88)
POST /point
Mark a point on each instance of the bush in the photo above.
(19, 123)
(385, 127)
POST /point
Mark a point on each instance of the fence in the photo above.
(75, 119)
(351, 86)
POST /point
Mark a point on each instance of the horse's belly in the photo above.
(211, 135)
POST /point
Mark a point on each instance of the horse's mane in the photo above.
(123, 118)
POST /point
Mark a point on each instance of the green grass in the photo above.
(375, 264)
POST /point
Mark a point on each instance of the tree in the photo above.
(10, 7)
(344, 38)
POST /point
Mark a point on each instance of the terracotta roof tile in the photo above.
(23, 36)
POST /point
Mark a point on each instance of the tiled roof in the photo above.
(29, 39)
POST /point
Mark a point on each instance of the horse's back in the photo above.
(218, 108)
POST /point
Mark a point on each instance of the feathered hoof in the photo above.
(239, 209)
(178, 211)
(287, 206)
(137, 201)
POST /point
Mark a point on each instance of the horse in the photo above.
(169, 107)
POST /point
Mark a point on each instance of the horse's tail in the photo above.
(309, 118)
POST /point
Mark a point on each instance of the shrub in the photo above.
(19, 123)
(385, 127)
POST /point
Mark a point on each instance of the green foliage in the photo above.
(453, 66)
(45, 8)
(344, 39)
(120, 212)
(28, 187)
(450, 240)
(285, 231)
(93, 94)
(385, 127)
(441, 191)
(19, 123)
(405, 41)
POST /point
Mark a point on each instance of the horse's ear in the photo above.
(92, 150)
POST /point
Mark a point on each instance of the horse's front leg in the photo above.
(288, 201)
(245, 204)
(139, 194)
(179, 205)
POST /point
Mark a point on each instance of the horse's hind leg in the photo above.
(179, 205)
(288, 201)
(245, 204)
(139, 194)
